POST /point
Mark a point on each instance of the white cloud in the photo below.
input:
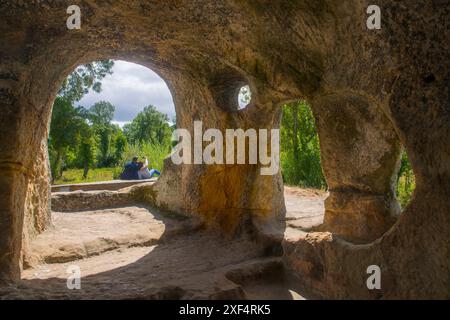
(130, 88)
(120, 123)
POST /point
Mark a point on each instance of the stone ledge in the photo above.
(112, 185)
(100, 199)
(89, 200)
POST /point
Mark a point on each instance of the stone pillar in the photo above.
(37, 215)
(360, 157)
(24, 185)
(223, 196)
(13, 175)
(13, 182)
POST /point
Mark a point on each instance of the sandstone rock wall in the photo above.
(37, 202)
(379, 88)
(360, 157)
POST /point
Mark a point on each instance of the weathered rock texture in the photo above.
(370, 90)
(78, 235)
(89, 200)
(360, 157)
(37, 203)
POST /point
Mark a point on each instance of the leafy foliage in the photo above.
(68, 124)
(65, 128)
(151, 126)
(87, 149)
(120, 145)
(83, 78)
(300, 149)
(405, 182)
(101, 113)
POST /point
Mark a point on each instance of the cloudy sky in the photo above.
(130, 88)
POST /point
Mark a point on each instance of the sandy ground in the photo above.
(304, 207)
(137, 253)
(78, 235)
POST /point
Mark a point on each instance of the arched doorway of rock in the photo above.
(305, 187)
(342, 164)
(105, 114)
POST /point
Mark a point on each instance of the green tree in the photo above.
(103, 133)
(120, 144)
(85, 77)
(300, 149)
(150, 125)
(65, 127)
(87, 148)
(101, 115)
(67, 119)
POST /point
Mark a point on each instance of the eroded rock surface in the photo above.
(78, 235)
(140, 252)
(370, 90)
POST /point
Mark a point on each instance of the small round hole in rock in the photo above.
(244, 97)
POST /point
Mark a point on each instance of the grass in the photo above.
(76, 176)
(404, 192)
(154, 153)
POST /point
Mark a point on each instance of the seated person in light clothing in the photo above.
(145, 173)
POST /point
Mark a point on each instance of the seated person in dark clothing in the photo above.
(131, 170)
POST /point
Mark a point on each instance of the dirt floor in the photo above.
(304, 207)
(138, 253)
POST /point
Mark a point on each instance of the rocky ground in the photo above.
(138, 253)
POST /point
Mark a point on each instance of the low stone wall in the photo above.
(89, 200)
(100, 199)
(113, 185)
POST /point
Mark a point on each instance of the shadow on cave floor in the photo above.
(139, 253)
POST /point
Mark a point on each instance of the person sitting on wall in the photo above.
(131, 170)
(145, 173)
